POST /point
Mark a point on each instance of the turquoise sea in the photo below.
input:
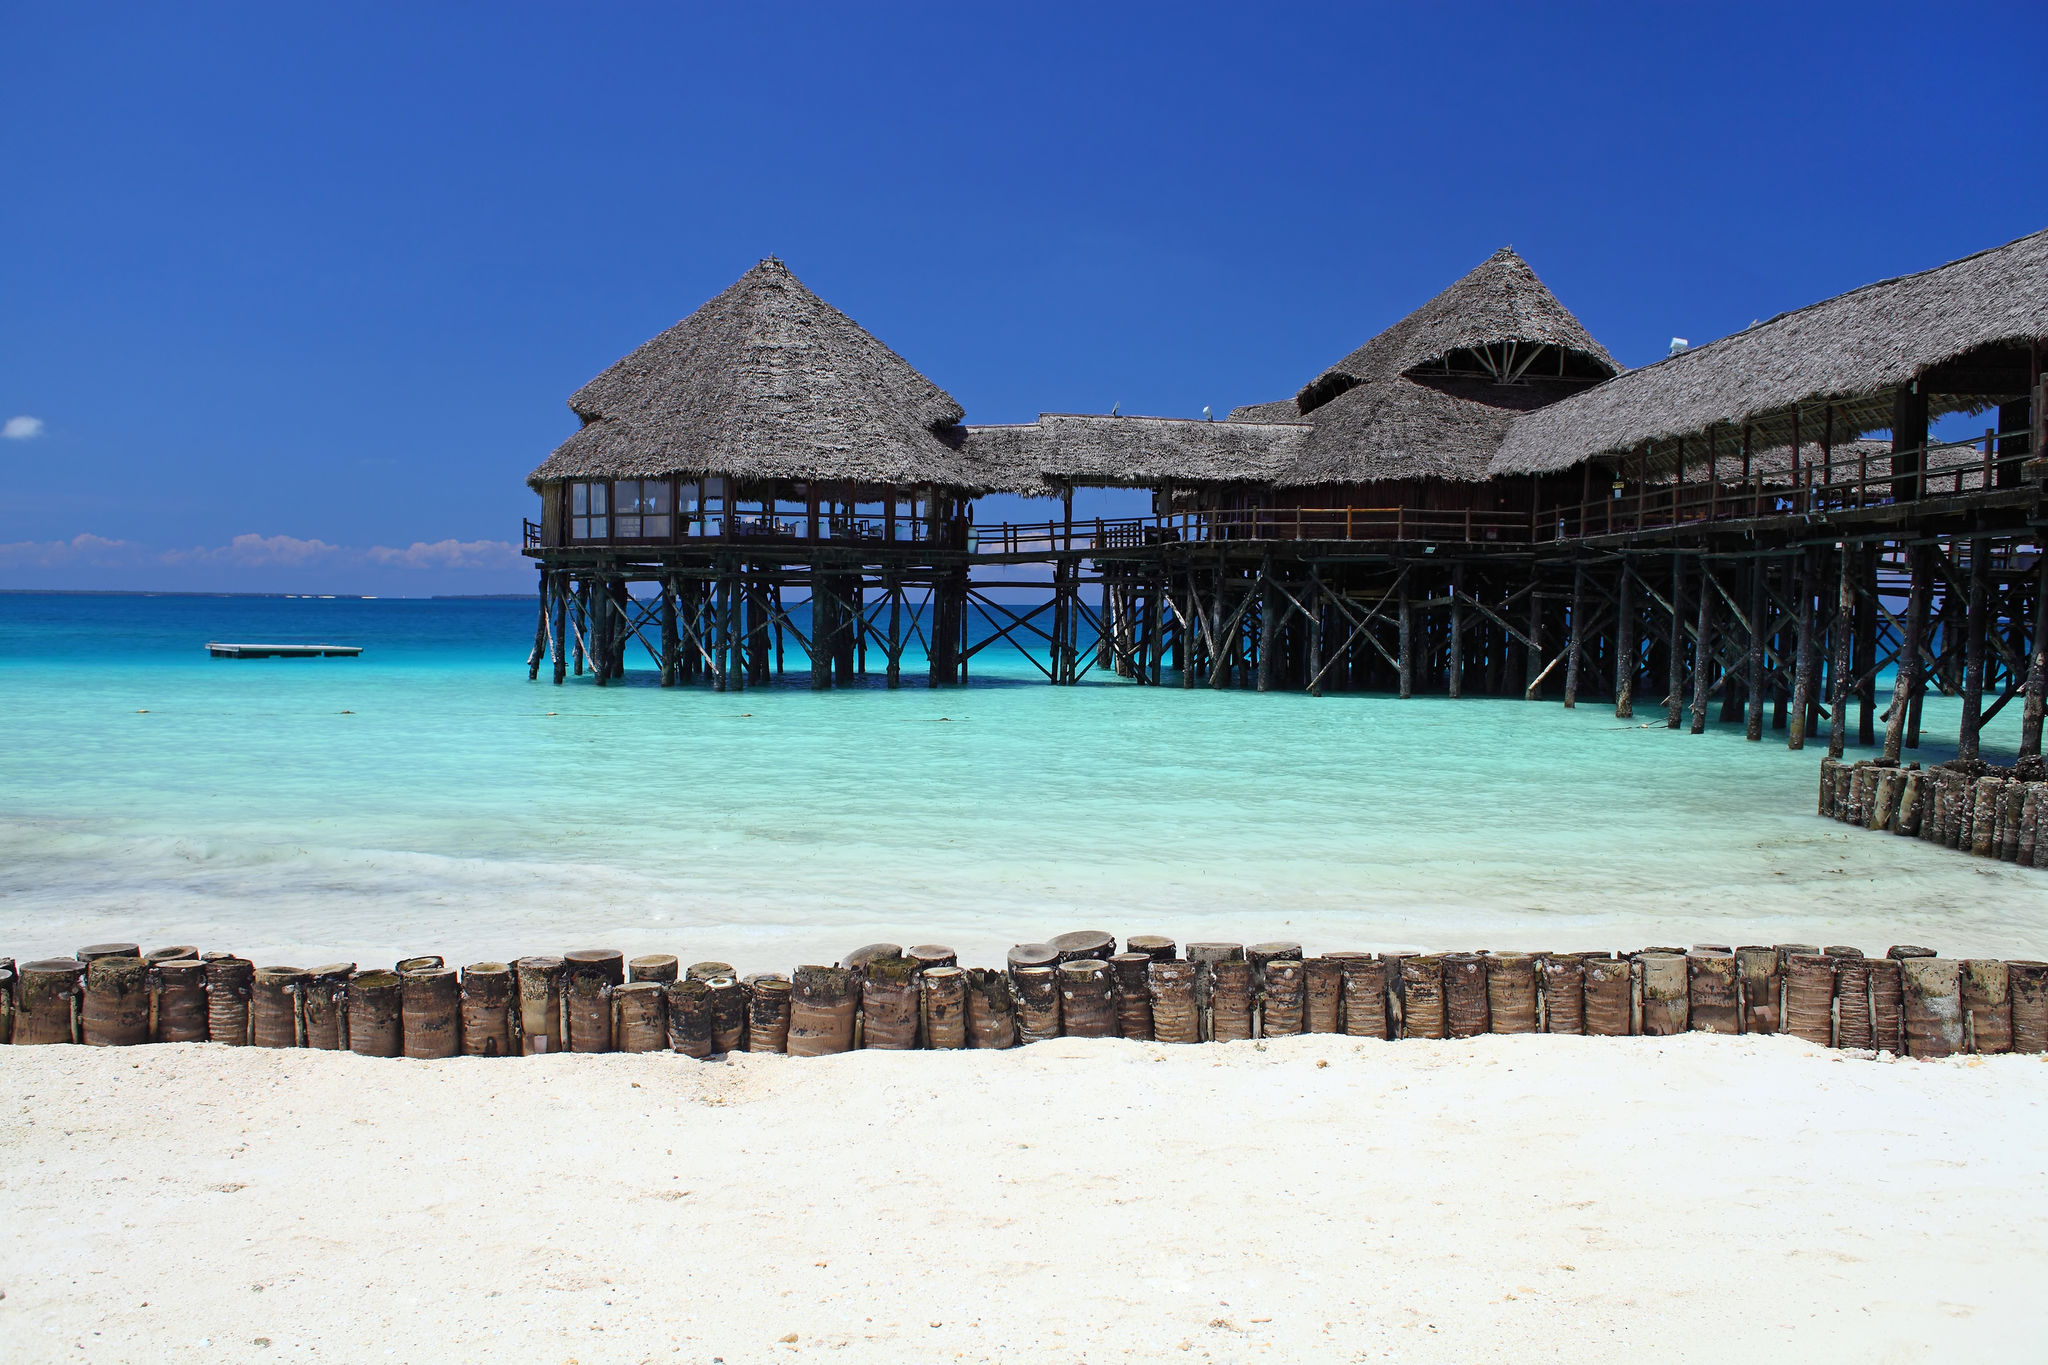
(428, 798)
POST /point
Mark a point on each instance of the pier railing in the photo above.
(1864, 480)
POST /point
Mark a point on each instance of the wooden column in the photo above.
(1753, 721)
(1909, 442)
(1866, 647)
(1702, 652)
(561, 625)
(2033, 707)
(1802, 665)
(1532, 663)
(670, 647)
(1269, 623)
(1674, 702)
(1973, 654)
(1838, 665)
(597, 623)
(895, 590)
(822, 630)
(1577, 637)
(540, 632)
(1455, 656)
(581, 637)
(1906, 684)
(1625, 644)
(1407, 630)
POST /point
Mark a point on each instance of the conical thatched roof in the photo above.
(765, 381)
(1851, 351)
(1412, 402)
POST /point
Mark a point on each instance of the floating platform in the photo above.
(221, 650)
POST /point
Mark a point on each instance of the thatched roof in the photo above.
(765, 381)
(1099, 451)
(1852, 351)
(1421, 399)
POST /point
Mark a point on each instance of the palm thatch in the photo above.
(766, 381)
(1078, 449)
(1434, 395)
(1840, 360)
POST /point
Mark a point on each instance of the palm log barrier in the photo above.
(1965, 804)
(1909, 1002)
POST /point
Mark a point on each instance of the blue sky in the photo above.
(291, 296)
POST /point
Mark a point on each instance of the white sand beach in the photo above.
(1318, 1198)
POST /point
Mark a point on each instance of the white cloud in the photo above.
(23, 428)
(84, 548)
(450, 554)
(251, 550)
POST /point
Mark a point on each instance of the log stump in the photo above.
(1205, 956)
(376, 1014)
(587, 1010)
(1887, 1007)
(1510, 992)
(657, 967)
(1133, 995)
(1038, 1003)
(1175, 1016)
(539, 983)
(115, 1012)
(1986, 994)
(426, 962)
(1757, 975)
(1607, 986)
(230, 981)
(605, 964)
(1087, 999)
(430, 1013)
(728, 1013)
(1082, 943)
(1323, 988)
(274, 1019)
(93, 952)
(1563, 976)
(1158, 948)
(991, 1009)
(930, 955)
(1855, 1028)
(1934, 1006)
(688, 1015)
(1465, 1007)
(1422, 997)
(48, 1008)
(323, 1006)
(1714, 1002)
(889, 1000)
(1230, 1001)
(180, 1001)
(1280, 1010)
(1364, 991)
(1666, 994)
(642, 1008)
(767, 1013)
(1810, 998)
(2028, 987)
(184, 952)
(821, 1008)
(945, 1007)
(487, 1010)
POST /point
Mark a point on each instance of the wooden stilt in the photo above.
(1576, 647)
(1625, 659)
(1865, 660)
(2036, 703)
(1532, 652)
(1840, 636)
(1674, 668)
(1407, 643)
(1269, 624)
(1802, 665)
(1753, 683)
(1973, 654)
(671, 649)
(1703, 651)
(1906, 683)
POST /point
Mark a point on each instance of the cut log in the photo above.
(487, 1010)
(376, 1013)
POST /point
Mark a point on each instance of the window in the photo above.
(589, 506)
(713, 519)
(641, 509)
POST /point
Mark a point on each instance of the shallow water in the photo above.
(428, 798)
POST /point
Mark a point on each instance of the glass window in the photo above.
(586, 511)
(713, 520)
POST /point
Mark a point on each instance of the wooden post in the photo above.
(822, 1004)
(538, 983)
(579, 638)
(540, 632)
(1973, 654)
(598, 625)
(1510, 992)
(1175, 1016)
(1455, 661)
(768, 1013)
(1839, 637)
(1702, 653)
(1625, 659)
(486, 1001)
(430, 1013)
(1532, 660)
(894, 587)
(822, 627)
(1269, 624)
(670, 645)
(1865, 662)
(1674, 700)
(1753, 683)
(691, 1030)
(2036, 702)
(1906, 683)
(1802, 666)
(1407, 644)
(1934, 1006)
(376, 1014)
(115, 1010)
(229, 983)
(1576, 645)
